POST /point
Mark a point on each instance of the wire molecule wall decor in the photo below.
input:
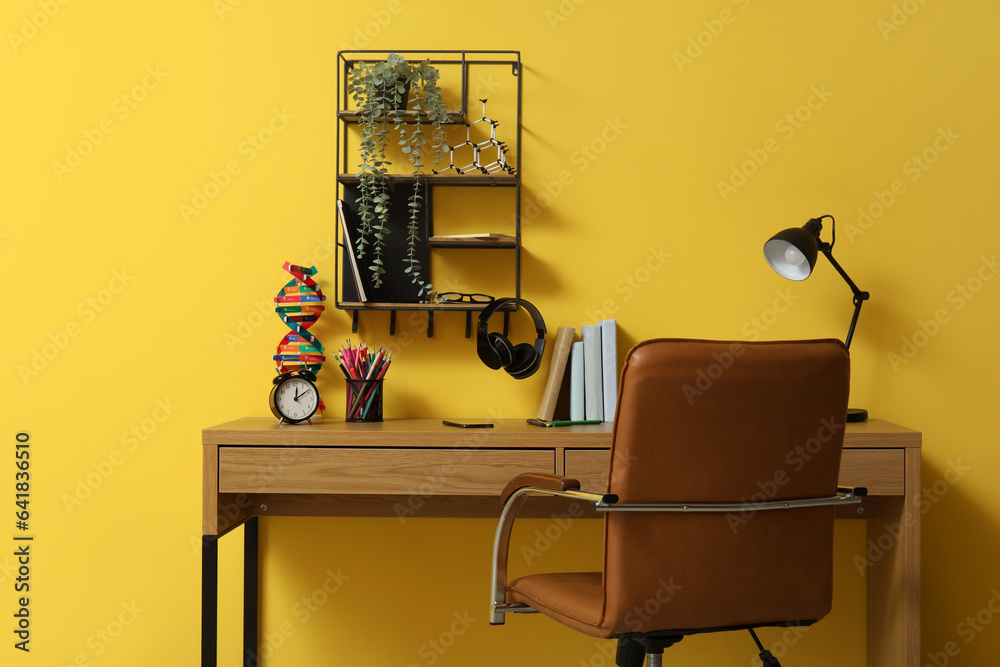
(484, 157)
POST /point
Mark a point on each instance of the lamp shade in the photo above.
(792, 252)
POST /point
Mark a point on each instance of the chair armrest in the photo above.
(514, 494)
(540, 480)
(848, 495)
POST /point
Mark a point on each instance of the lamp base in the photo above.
(857, 415)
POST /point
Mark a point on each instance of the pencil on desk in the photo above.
(374, 389)
(371, 400)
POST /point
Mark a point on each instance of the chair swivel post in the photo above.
(766, 658)
(633, 650)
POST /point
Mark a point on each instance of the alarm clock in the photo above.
(294, 398)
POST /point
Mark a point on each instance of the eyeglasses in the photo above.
(459, 297)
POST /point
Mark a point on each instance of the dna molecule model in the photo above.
(299, 305)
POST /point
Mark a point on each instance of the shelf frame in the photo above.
(345, 117)
(478, 180)
(430, 308)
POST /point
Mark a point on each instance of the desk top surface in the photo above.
(267, 432)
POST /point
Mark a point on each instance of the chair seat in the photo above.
(575, 599)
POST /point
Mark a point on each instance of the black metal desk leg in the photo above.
(209, 600)
(250, 557)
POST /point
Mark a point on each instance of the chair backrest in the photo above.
(737, 422)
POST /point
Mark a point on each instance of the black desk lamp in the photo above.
(792, 253)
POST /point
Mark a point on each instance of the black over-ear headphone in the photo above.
(521, 360)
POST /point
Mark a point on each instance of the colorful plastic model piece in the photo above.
(300, 304)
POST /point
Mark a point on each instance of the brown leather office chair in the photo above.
(720, 500)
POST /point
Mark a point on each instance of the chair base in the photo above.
(633, 650)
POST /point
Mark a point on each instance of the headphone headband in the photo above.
(497, 304)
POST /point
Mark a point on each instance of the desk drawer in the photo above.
(375, 471)
(881, 470)
(590, 466)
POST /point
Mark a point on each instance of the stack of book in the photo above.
(583, 374)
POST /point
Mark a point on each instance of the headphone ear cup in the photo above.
(530, 370)
(503, 348)
(524, 356)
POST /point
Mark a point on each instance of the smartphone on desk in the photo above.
(467, 424)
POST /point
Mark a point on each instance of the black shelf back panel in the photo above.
(396, 286)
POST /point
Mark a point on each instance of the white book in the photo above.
(576, 400)
(593, 371)
(609, 357)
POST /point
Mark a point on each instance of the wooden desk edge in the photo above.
(430, 433)
(266, 432)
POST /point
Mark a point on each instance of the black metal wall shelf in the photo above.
(463, 62)
(477, 180)
(348, 116)
(475, 245)
(429, 308)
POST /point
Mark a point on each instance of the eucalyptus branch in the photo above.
(414, 148)
(359, 80)
(379, 91)
(381, 193)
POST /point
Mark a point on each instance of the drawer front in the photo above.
(881, 470)
(375, 471)
(590, 466)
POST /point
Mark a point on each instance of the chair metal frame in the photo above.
(609, 502)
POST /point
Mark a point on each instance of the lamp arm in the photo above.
(859, 296)
(854, 320)
(827, 250)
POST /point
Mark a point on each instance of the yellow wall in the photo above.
(121, 316)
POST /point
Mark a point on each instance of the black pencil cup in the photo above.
(364, 401)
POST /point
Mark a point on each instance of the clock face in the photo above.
(296, 399)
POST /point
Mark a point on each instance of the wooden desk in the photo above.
(255, 467)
